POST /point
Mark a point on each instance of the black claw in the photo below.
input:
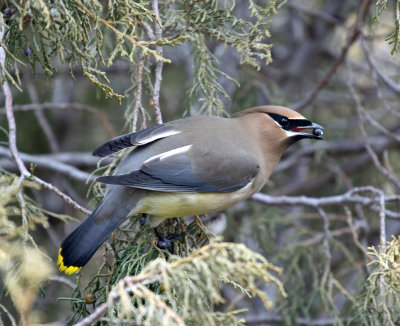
(163, 244)
(168, 241)
(143, 220)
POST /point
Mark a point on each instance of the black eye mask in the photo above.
(290, 124)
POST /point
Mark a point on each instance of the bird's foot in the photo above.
(167, 242)
(143, 220)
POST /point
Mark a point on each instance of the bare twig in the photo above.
(319, 14)
(307, 185)
(355, 33)
(371, 62)
(51, 164)
(99, 311)
(334, 147)
(327, 236)
(10, 317)
(319, 237)
(12, 128)
(384, 101)
(327, 276)
(350, 197)
(60, 194)
(159, 64)
(138, 100)
(378, 126)
(362, 114)
(41, 118)
(382, 238)
(81, 159)
(64, 280)
(352, 226)
(149, 31)
(366, 115)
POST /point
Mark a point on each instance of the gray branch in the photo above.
(45, 162)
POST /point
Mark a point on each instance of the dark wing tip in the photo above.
(102, 179)
(136, 138)
(114, 145)
(109, 179)
(101, 151)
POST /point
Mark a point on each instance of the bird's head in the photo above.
(273, 129)
(282, 124)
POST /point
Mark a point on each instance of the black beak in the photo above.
(317, 131)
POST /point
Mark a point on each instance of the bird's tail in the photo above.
(77, 249)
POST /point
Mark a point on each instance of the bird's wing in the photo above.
(138, 138)
(176, 171)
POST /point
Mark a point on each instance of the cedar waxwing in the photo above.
(186, 167)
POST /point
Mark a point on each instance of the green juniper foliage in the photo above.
(394, 38)
(138, 282)
(179, 294)
(88, 34)
(172, 290)
(92, 34)
(378, 302)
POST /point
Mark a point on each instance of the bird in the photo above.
(187, 167)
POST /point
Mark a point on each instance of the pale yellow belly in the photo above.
(166, 205)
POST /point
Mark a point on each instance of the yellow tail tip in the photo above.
(66, 269)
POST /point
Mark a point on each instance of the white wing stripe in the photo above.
(156, 136)
(170, 153)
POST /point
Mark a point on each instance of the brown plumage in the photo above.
(186, 167)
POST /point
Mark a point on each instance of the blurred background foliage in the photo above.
(82, 72)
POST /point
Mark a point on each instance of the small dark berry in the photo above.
(7, 12)
(142, 221)
(318, 132)
(28, 52)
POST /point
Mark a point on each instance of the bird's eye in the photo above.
(283, 121)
